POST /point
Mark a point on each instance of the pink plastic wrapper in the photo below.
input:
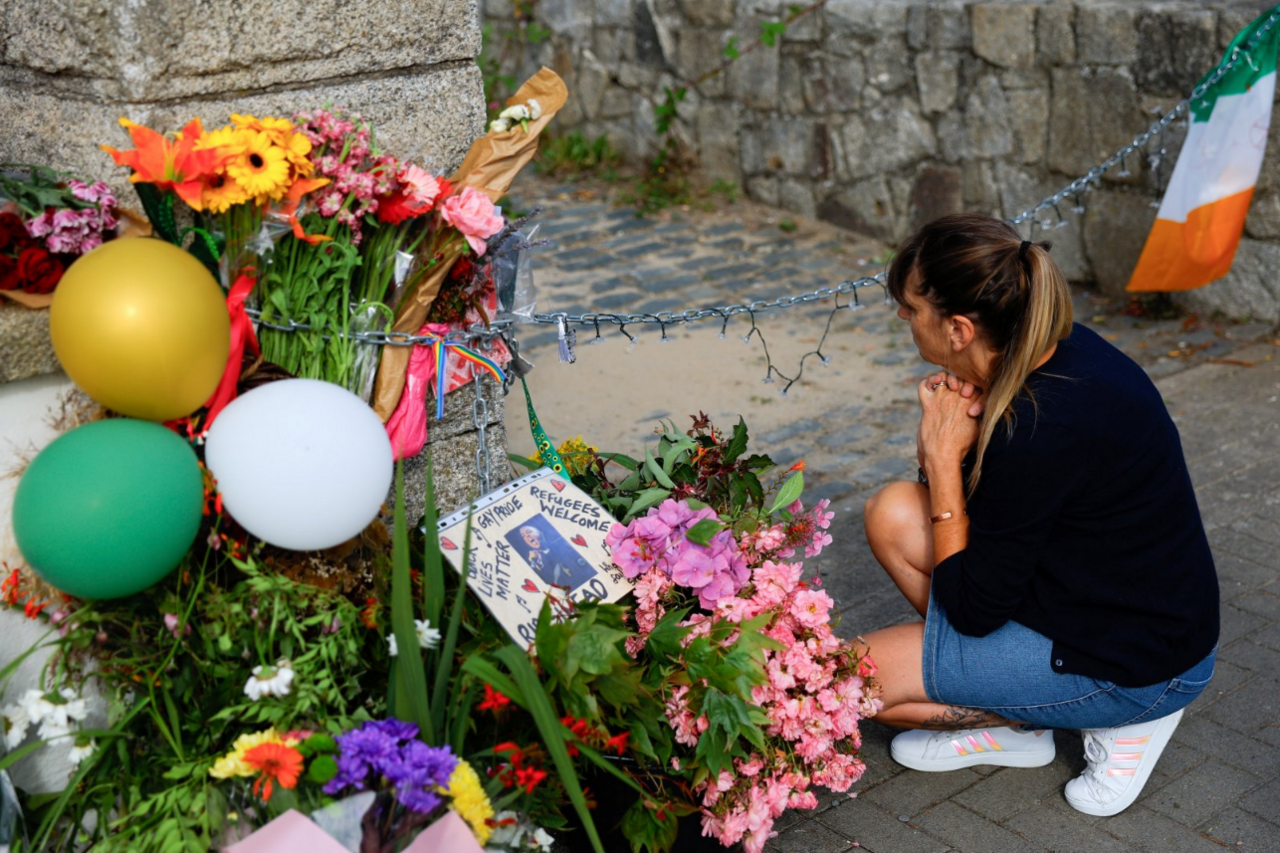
(293, 832)
(407, 426)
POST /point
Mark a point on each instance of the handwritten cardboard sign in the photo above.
(536, 535)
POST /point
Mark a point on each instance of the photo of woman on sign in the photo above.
(550, 556)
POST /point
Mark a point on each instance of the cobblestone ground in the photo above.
(1218, 783)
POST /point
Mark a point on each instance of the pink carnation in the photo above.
(471, 212)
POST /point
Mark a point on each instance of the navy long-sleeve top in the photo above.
(1084, 526)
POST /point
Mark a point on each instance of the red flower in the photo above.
(397, 207)
(493, 701)
(38, 270)
(529, 778)
(618, 743)
(13, 233)
(32, 608)
(462, 269)
(799, 466)
(369, 615)
(11, 588)
(9, 279)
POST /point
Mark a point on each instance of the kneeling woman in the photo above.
(1054, 545)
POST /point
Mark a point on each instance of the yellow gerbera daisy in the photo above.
(277, 128)
(296, 148)
(470, 801)
(261, 168)
(220, 192)
(223, 137)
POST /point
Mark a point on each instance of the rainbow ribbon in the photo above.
(441, 348)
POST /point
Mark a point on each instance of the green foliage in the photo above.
(648, 828)
(700, 461)
(573, 155)
(788, 225)
(313, 284)
(505, 47)
(175, 698)
(771, 31)
(409, 700)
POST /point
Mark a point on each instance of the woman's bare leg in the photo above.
(897, 524)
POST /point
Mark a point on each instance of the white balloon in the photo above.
(301, 464)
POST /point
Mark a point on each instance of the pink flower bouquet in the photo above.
(757, 700)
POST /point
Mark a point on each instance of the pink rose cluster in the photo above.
(71, 231)
(658, 542)
(817, 690)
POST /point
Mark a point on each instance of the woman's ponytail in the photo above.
(1045, 321)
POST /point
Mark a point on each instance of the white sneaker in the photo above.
(934, 752)
(1120, 762)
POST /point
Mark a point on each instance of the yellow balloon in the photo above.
(142, 327)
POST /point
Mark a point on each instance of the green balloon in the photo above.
(109, 509)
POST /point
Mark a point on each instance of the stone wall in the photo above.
(70, 68)
(879, 115)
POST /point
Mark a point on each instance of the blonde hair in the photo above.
(973, 265)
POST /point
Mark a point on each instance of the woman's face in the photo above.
(928, 327)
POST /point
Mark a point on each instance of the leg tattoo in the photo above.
(957, 717)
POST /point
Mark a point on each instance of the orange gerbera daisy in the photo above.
(276, 763)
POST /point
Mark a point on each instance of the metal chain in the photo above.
(484, 335)
(480, 418)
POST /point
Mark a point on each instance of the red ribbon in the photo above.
(241, 334)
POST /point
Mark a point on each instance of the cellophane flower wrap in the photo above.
(757, 701)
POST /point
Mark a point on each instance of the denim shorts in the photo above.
(1008, 672)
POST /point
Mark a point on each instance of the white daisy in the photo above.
(270, 680)
(36, 704)
(53, 711)
(14, 723)
(81, 750)
(428, 637)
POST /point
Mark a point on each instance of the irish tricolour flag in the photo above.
(1202, 214)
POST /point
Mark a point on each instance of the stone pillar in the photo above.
(70, 68)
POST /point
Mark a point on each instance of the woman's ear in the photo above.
(960, 332)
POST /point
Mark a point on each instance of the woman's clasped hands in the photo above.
(951, 409)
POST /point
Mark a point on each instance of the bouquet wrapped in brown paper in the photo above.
(489, 168)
